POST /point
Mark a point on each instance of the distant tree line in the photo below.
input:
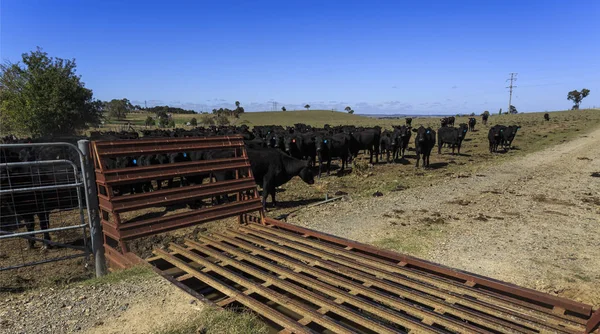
(228, 112)
(169, 110)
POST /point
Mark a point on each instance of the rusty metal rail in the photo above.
(300, 280)
(205, 200)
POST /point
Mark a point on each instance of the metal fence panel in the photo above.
(44, 210)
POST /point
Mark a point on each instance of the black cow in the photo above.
(387, 144)
(472, 122)
(273, 168)
(547, 116)
(451, 136)
(495, 137)
(408, 121)
(444, 122)
(301, 146)
(366, 140)
(508, 135)
(401, 141)
(335, 146)
(424, 143)
(484, 118)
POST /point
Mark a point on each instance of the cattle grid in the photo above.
(227, 188)
(302, 281)
(43, 181)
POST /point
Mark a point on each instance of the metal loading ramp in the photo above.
(303, 281)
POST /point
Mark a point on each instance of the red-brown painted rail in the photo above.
(199, 197)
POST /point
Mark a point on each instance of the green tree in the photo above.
(150, 121)
(222, 120)
(171, 123)
(577, 96)
(283, 109)
(118, 109)
(307, 106)
(207, 120)
(163, 119)
(42, 96)
(194, 122)
(238, 110)
(512, 110)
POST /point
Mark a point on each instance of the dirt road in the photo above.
(532, 221)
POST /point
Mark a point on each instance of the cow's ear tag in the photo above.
(427, 131)
(184, 155)
(325, 141)
(293, 140)
(134, 161)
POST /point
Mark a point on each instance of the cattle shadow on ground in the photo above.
(456, 154)
(437, 165)
(296, 203)
(402, 162)
(468, 139)
(500, 151)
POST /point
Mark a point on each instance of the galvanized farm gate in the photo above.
(48, 182)
(129, 189)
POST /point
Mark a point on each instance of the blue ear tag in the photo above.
(325, 141)
(134, 162)
(427, 131)
(184, 155)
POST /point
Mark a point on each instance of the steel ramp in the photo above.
(303, 281)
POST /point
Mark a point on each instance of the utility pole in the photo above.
(513, 77)
(145, 105)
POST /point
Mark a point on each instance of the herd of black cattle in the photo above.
(276, 153)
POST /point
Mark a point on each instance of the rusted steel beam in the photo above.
(501, 319)
(165, 145)
(171, 196)
(283, 300)
(388, 314)
(251, 303)
(593, 323)
(451, 285)
(536, 296)
(183, 287)
(317, 299)
(149, 173)
(116, 258)
(128, 231)
(388, 271)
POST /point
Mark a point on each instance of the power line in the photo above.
(513, 77)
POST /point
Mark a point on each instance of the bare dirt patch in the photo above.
(135, 301)
(533, 220)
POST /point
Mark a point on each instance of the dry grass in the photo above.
(217, 321)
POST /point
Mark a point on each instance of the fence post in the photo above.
(96, 228)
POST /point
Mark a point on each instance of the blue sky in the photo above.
(427, 57)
